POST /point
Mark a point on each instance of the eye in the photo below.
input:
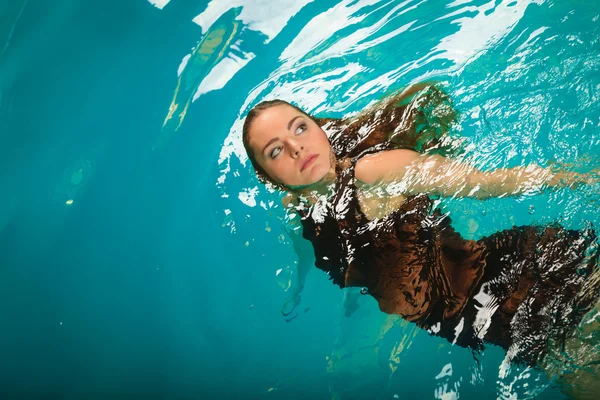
(301, 128)
(275, 152)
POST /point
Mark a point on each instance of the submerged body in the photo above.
(522, 288)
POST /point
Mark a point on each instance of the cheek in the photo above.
(281, 170)
(323, 143)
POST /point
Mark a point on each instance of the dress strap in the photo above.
(345, 204)
(373, 149)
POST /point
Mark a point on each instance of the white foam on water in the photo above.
(264, 16)
(159, 3)
(222, 73)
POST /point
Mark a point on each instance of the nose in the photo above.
(295, 148)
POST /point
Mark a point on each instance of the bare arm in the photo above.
(408, 172)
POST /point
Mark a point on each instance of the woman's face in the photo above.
(289, 146)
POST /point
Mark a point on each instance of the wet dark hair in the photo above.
(252, 114)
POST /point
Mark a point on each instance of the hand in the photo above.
(564, 172)
(290, 304)
(574, 179)
(594, 176)
(589, 178)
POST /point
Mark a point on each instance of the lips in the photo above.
(308, 161)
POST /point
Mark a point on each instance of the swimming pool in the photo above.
(142, 257)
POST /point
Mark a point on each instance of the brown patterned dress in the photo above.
(519, 288)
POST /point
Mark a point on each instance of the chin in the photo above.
(318, 173)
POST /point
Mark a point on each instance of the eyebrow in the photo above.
(292, 121)
(289, 126)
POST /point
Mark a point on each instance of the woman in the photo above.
(363, 196)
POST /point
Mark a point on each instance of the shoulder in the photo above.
(374, 167)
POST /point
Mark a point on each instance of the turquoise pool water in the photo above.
(140, 257)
